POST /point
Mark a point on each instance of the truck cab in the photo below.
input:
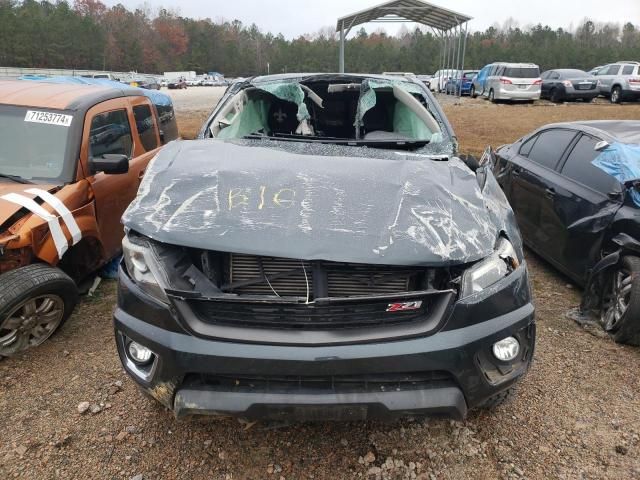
(71, 160)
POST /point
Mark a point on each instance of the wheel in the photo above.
(620, 314)
(616, 95)
(492, 97)
(499, 399)
(472, 92)
(555, 96)
(34, 301)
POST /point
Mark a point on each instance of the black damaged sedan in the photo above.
(321, 253)
(574, 190)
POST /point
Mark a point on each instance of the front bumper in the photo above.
(455, 367)
(573, 94)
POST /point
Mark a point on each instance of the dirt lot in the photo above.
(577, 414)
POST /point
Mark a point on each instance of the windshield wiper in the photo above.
(403, 144)
(15, 178)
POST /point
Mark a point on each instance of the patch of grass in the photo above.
(479, 124)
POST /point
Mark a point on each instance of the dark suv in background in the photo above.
(321, 252)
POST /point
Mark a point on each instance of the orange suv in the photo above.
(71, 161)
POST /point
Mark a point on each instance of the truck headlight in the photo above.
(490, 270)
(142, 268)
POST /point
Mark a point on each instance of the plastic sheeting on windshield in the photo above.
(621, 161)
(289, 91)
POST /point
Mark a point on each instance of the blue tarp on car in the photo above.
(155, 96)
(621, 161)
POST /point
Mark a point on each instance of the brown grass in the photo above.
(480, 124)
(189, 123)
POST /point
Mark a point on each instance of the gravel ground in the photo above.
(575, 415)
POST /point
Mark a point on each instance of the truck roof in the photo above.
(59, 95)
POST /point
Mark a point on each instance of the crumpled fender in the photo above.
(34, 234)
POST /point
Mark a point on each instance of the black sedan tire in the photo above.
(620, 316)
(556, 95)
(34, 301)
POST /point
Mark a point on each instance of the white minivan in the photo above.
(513, 81)
(439, 80)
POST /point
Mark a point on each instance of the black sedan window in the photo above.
(573, 74)
(550, 146)
(578, 167)
(526, 147)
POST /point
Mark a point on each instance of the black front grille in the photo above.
(385, 382)
(286, 277)
(312, 316)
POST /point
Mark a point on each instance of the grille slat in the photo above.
(343, 279)
(305, 316)
(247, 267)
(359, 295)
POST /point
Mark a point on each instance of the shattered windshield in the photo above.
(34, 143)
(350, 111)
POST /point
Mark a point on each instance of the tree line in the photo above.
(86, 34)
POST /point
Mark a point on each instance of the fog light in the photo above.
(506, 349)
(139, 353)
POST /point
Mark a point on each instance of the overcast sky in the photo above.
(296, 17)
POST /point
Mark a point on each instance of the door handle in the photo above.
(549, 192)
(515, 172)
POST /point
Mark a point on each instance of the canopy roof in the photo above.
(405, 11)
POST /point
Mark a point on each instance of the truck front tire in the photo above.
(35, 301)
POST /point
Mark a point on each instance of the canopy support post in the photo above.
(341, 65)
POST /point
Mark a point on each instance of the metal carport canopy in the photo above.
(417, 11)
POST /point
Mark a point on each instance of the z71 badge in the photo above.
(404, 306)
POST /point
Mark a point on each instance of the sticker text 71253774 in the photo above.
(49, 118)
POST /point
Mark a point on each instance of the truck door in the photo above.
(111, 128)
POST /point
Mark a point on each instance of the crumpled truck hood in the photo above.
(225, 196)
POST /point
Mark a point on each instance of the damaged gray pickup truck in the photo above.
(321, 253)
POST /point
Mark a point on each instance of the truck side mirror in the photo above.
(109, 163)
